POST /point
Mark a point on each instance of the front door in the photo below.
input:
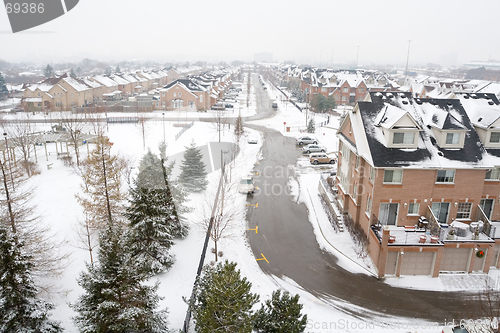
(388, 213)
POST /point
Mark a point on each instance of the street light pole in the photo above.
(163, 113)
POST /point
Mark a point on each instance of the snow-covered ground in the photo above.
(56, 203)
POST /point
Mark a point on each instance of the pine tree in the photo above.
(223, 301)
(115, 298)
(3, 87)
(153, 174)
(20, 309)
(280, 314)
(48, 72)
(72, 73)
(311, 128)
(193, 175)
(101, 174)
(151, 214)
(117, 69)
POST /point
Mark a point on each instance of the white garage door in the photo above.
(417, 263)
(392, 262)
(455, 260)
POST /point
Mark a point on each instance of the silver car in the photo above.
(313, 149)
(306, 140)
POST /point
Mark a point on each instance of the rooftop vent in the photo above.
(479, 119)
(440, 153)
(466, 96)
(405, 102)
(419, 102)
(491, 102)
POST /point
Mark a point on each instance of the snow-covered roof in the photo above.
(445, 114)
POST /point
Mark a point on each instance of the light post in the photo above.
(163, 114)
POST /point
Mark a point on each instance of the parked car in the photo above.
(312, 149)
(229, 106)
(275, 105)
(218, 106)
(321, 158)
(246, 185)
(252, 140)
(306, 140)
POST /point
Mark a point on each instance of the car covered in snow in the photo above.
(246, 185)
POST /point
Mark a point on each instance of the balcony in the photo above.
(429, 232)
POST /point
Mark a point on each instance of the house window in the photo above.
(346, 89)
(452, 138)
(163, 93)
(464, 209)
(191, 105)
(355, 192)
(361, 90)
(493, 174)
(71, 95)
(357, 162)
(393, 176)
(323, 90)
(175, 94)
(344, 98)
(180, 94)
(445, 176)
(403, 138)
(368, 205)
(440, 211)
(372, 174)
(413, 208)
(201, 98)
(495, 137)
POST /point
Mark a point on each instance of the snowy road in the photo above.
(286, 240)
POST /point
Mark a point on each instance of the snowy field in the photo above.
(56, 203)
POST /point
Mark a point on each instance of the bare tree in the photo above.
(238, 128)
(74, 125)
(102, 175)
(221, 214)
(87, 233)
(220, 120)
(21, 138)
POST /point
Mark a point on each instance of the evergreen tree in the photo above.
(223, 301)
(151, 214)
(115, 298)
(78, 71)
(153, 174)
(311, 128)
(72, 73)
(280, 314)
(101, 174)
(193, 175)
(117, 69)
(48, 71)
(3, 87)
(20, 309)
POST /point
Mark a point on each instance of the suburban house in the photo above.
(184, 95)
(421, 177)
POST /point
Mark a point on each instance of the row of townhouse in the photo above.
(65, 92)
(346, 87)
(422, 179)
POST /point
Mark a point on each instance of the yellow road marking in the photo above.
(256, 229)
(263, 258)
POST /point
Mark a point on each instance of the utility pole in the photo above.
(407, 58)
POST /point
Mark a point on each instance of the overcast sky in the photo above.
(447, 32)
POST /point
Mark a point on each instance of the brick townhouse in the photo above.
(421, 177)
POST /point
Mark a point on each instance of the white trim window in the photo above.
(445, 176)
(492, 174)
(368, 205)
(413, 208)
(495, 137)
(464, 209)
(393, 176)
(405, 138)
(452, 138)
(372, 174)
